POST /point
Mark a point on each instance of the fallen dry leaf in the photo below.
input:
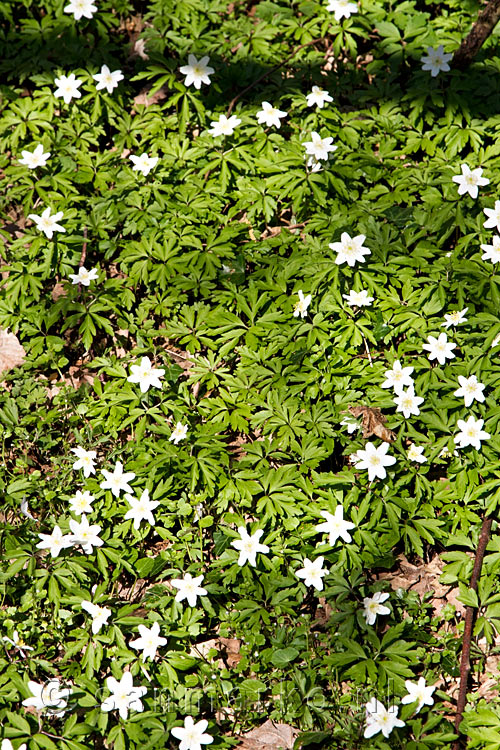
(143, 98)
(12, 353)
(269, 736)
(228, 648)
(372, 422)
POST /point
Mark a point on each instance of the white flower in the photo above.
(47, 223)
(436, 60)
(335, 525)
(358, 299)
(81, 8)
(83, 276)
(270, 115)
(492, 252)
(313, 573)
(415, 453)
(117, 481)
(34, 159)
(455, 318)
(179, 432)
(351, 424)
(146, 375)
(342, 8)
(495, 341)
(55, 542)
(141, 509)
(18, 643)
(439, 348)
(375, 460)
(446, 453)
(197, 71)
(319, 147)
(420, 693)
(318, 97)
(191, 735)
(149, 641)
(408, 403)
(7, 745)
(470, 389)
(48, 696)
(99, 614)
(470, 180)
(81, 502)
(381, 719)
(350, 249)
(493, 214)
(249, 546)
(124, 696)
(189, 588)
(398, 377)
(372, 606)
(25, 511)
(471, 433)
(107, 79)
(67, 87)
(86, 460)
(313, 164)
(301, 305)
(143, 163)
(85, 534)
(224, 125)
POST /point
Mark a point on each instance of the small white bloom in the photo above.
(189, 588)
(342, 8)
(375, 460)
(7, 745)
(493, 214)
(47, 223)
(108, 79)
(318, 97)
(455, 318)
(313, 164)
(81, 8)
(67, 87)
(49, 696)
(420, 693)
(350, 249)
(398, 377)
(470, 389)
(319, 147)
(149, 642)
(83, 276)
(408, 403)
(416, 453)
(335, 526)
(124, 696)
(249, 546)
(351, 424)
(179, 432)
(470, 180)
(141, 509)
(86, 460)
(81, 502)
(301, 305)
(34, 159)
(143, 163)
(197, 71)
(85, 534)
(471, 433)
(18, 643)
(224, 125)
(191, 735)
(55, 542)
(372, 607)
(25, 511)
(436, 60)
(146, 375)
(117, 481)
(492, 252)
(358, 299)
(269, 115)
(439, 348)
(495, 341)
(313, 573)
(100, 615)
(381, 719)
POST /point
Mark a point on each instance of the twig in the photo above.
(368, 351)
(84, 248)
(469, 624)
(470, 46)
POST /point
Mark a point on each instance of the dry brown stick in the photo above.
(470, 613)
(84, 248)
(470, 46)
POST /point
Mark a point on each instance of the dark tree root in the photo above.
(470, 46)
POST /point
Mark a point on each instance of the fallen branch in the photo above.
(470, 46)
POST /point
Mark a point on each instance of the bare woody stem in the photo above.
(470, 46)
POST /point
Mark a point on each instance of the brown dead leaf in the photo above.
(12, 353)
(58, 290)
(228, 648)
(138, 49)
(372, 422)
(143, 98)
(269, 736)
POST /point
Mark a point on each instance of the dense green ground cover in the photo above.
(199, 264)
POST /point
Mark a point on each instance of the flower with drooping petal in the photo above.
(18, 643)
(83, 276)
(149, 641)
(335, 526)
(470, 389)
(249, 545)
(81, 8)
(350, 249)
(372, 607)
(108, 79)
(224, 125)
(470, 180)
(191, 735)
(124, 696)
(55, 542)
(67, 87)
(143, 163)
(436, 60)
(439, 348)
(269, 115)
(493, 214)
(178, 433)
(146, 375)
(398, 377)
(47, 223)
(381, 719)
(301, 305)
(86, 460)
(197, 71)
(100, 615)
(117, 481)
(375, 460)
(318, 97)
(37, 158)
(189, 588)
(85, 534)
(313, 573)
(419, 693)
(415, 453)
(471, 433)
(319, 147)
(455, 318)
(141, 509)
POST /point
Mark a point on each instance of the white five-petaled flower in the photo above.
(143, 163)
(55, 542)
(117, 481)
(372, 607)
(335, 525)
(67, 87)
(83, 276)
(178, 433)
(18, 643)
(149, 641)
(197, 71)
(439, 348)
(470, 389)
(224, 125)
(81, 502)
(269, 115)
(124, 696)
(470, 180)
(86, 460)
(191, 735)
(318, 97)
(381, 719)
(455, 318)
(415, 453)
(85, 534)
(342, 8)
(100, 615)
(350, 249)
(492, 252)
(249, 545)
(81, 8)
(47, 223)
(398, 377)
(141, 509)
(189, 588)
(34, 159)
(471, 433)
(319, 147)
(300, 307)
(419, 693)
(313, 573)
(436, 60)
(48, 696)
(146, 375)
(375, 460)
(358, 299)
(493, 214)
(108, 79)
(408, 403)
